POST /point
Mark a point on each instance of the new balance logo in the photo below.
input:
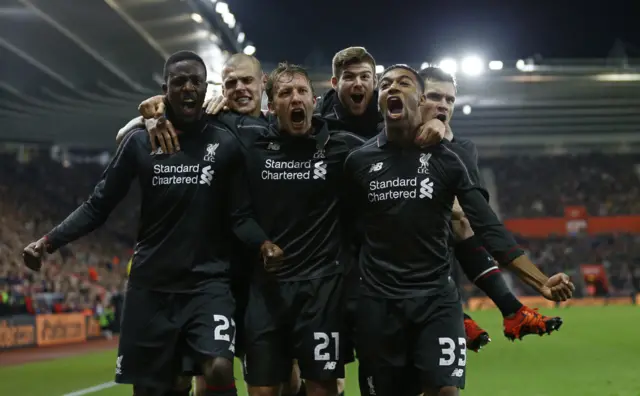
(330, 366)
(457, 373)
(375, 167)
(320, 170)
(426, 189)
(158, 151)
(207, 175)
(273, 146)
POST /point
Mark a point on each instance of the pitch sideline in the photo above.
(92, 389)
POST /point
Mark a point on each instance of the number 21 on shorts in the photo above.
(448, 351)
(322, 351)
(222, 332)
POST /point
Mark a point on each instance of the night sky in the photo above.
(412, 31)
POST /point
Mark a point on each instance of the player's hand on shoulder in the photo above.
(161, 131)
(558, 288)
(430, 133)
(272, 256)
(153, 107)
(33, 254)
(215, 105)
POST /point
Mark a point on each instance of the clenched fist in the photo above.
(34, 253)
(558, 288)
(272, 256)
(430, 133)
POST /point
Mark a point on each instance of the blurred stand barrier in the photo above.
(23, 331)
(484, 303)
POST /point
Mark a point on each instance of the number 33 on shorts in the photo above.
(225, 331)
(448, 352)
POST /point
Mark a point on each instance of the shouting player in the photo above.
(409, 312)
(177, 300)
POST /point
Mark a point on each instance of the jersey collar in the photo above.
(382, 138)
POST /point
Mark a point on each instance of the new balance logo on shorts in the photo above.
(330, 366)
(457, 373)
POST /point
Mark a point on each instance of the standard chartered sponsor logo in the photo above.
(426, 188)
(400, 188)
(181, 174)
(294, 170)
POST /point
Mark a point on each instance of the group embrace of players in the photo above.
(291, 238)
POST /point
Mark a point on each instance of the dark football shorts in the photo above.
(300, 320)
(418, 341)
(161, 330)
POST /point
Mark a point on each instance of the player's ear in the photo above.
(422, 100)
(264, 80)
(334, 82)
(271, 108)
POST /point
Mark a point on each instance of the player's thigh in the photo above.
(440, 353)
(208, 325)
(267, 360)
(382, 340)
(319, 323)
(390, 381)
(148, 340)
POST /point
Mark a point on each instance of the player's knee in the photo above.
(444, 391)
(264, 390)
(143, 391)
(219, 372)
(321, 388)
(294, 384)
(340, 384)
(182, 387)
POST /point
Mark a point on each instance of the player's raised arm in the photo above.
(495, 237)
(111, 189)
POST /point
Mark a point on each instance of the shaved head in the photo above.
(240, 59)
(243, 84)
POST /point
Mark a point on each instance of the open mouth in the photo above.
(394, 107)
(357, 98)
(243, 100)
(297, 117)
(442, 117)
(189, 105)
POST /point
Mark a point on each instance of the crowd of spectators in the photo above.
(82, 277)
(87, 274)
(535, 186)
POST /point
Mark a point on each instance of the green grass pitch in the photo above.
(596, 353)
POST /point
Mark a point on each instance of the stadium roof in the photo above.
(74, 70)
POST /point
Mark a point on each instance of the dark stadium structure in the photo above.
(72, 71)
